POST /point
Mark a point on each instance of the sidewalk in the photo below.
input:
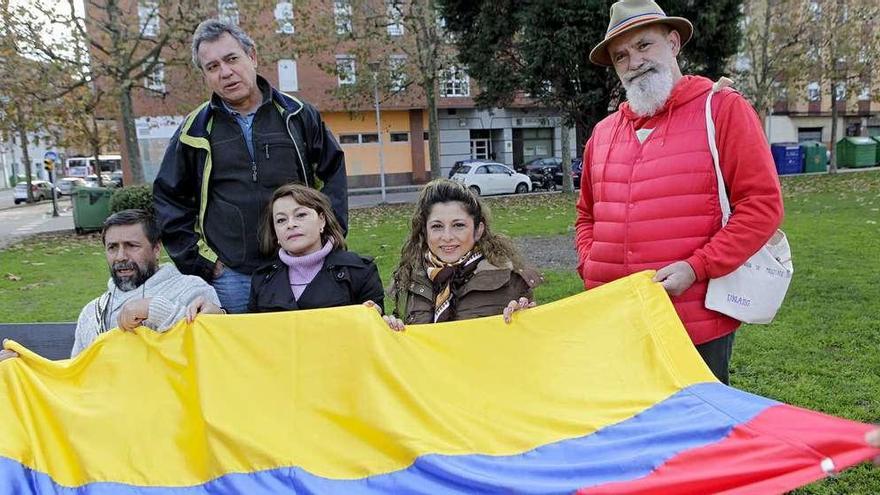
(40, 223)
(366, 191)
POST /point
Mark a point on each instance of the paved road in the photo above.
(6, 198)
(23, 220)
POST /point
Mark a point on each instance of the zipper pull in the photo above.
(254, 170)
(267, 151)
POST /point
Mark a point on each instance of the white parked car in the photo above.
(92, 180)
(41, 190)
(492, 178)
(68, 184)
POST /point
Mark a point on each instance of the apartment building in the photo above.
(846, 33)
(807, 117)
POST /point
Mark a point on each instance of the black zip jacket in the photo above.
(345, 279)
(183, 194)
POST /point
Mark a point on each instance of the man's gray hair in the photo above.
(212, 30)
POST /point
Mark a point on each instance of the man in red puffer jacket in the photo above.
(649, 198)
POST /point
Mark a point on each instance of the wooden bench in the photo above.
(50, 340)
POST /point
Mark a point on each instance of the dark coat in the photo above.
(344, 279)
(488, 291)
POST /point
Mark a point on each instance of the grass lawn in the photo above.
(822, 351)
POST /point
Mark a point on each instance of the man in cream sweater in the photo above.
(139, 292)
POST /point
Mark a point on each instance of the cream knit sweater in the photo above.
(169, 291)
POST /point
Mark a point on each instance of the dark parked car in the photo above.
(116, 178)
(577, 166)
(541, 171)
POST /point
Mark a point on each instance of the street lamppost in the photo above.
(374, 68)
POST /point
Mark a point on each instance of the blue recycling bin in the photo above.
(788, 157)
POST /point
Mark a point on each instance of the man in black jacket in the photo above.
(227, 157)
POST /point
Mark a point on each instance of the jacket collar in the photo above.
(337, 257)
(197, 123)
(486, 277)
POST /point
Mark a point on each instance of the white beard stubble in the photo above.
(649, 92)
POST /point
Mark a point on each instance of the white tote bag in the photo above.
(753, 292)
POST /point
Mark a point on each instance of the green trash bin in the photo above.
(856, 152)
(91, 206)
(815, 156)
(877, 158)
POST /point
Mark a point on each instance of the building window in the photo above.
(454, 82)
(397, 69)
(287, 78)
(342, 16)
(345, 69)
(364, 138)
(227, 11)
(809, 134)
(284, 17)
(865, 93)
(399, 137)
(426, 136)
(395, 17)
(813, 94)
(840, 92)
(148, 18)
(155, 79)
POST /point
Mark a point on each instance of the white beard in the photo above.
(649, 92)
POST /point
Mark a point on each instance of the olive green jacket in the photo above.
(487, 292)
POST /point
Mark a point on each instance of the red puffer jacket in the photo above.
(646, 205)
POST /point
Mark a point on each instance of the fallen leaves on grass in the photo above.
(842, 183)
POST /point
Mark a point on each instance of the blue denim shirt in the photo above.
(246, 122)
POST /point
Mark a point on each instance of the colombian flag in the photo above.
(598, 393)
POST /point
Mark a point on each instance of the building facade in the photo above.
(12, 163)
(512, 135)
(811, 121)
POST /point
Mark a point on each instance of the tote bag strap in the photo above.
(713, 148)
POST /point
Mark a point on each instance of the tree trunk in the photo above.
(832, 163)
(433, 129)
(129, 135)
(26, 158)
(565, 140)
(95, 142)
(765, 122)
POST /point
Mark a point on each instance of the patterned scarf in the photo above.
(446, 275)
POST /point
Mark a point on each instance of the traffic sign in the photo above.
(51, 155)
